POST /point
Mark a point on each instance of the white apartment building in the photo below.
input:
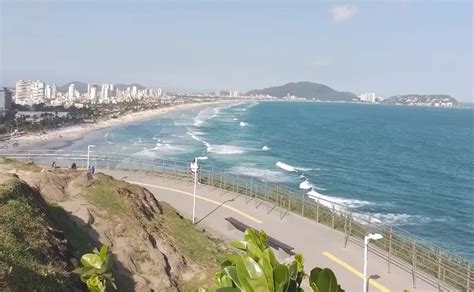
(368, 97)
(71, 92)
(233, 93)
(134, 91)
(48, 92)
(29, 92)
(92, 94)
(54, 91)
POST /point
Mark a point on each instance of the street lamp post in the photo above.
(367, 238)
(88, 154)
(194, 168)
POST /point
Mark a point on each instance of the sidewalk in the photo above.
(320, 245)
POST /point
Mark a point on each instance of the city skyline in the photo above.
(387, 48)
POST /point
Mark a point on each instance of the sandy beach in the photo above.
(62, 137)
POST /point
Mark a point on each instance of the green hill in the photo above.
(308, 90)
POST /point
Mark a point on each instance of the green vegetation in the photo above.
(15, 164)
(31, 257)
(108, 194)
(97, 270)
(194, 244)
(257, 269)
(119, 198)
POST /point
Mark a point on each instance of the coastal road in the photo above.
(320, 245)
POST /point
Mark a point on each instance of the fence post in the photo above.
(350, 229)
(413, 262)
(302, 205)
(389, 249)
(439, 271)
(468, 276)
(251, 185)
(265, 191)
(317, 210)
(175, 171)
(163, 172)
(289, 203)
(333, 215)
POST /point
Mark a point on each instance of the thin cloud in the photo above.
(342, 13)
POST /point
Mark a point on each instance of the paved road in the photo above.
(320, 245)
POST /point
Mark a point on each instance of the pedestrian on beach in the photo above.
(74, 166)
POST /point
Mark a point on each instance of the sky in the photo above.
(387, 47)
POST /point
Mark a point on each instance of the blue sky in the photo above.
(390, 47)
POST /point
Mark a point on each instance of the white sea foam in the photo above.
(285, 166)
(217, 149)
(243, 124)
(329, 200)
(202, 158)
(290, 168)
(265, 174)
(399, 218)
(197, 138)
(204, 115)
(265, 148)
(106, 137)
(136, 141)
(225, 149)
(235, 119)
(306, 185)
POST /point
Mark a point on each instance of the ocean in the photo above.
(412, 167)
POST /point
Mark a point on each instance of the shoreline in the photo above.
(64, 137)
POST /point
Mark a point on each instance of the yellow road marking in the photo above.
(355, 271)
(202, 198)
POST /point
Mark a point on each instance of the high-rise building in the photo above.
(71, 91)
(105, 91)
(134, 91)
(54, 91)
(29, 92)
(5, 99)
(93, 93)
(48, 92)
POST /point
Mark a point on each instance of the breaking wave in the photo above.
(290, 168)
(265, 174)
(340, 202)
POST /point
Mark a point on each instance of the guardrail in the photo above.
(423, 259)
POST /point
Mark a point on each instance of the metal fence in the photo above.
(423, 259)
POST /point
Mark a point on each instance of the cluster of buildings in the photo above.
(369, 97)
(29, 92)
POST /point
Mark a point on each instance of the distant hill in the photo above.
(422, 100)
(82, 86)
(307, 90)
(124, 86)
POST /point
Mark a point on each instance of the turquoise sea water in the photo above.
(408, 166)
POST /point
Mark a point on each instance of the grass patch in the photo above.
(196, 245)
(108, 194)
(20, 165)
(25, 243)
